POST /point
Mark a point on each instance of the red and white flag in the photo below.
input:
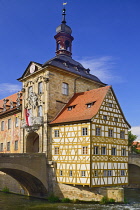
(28, 117)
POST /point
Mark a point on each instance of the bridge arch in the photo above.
(134, 170)
(29, 170)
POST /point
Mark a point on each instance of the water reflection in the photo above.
(16, 202)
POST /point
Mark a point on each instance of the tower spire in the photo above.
(64, 15)
(63, 37)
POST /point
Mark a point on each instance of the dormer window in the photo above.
(71, 107)
(90, 104)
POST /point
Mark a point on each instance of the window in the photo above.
(103, 150)
(110, 105)
(2, 126)
(107, 173)
(16, 122)
(84, 132)
(71, 107)
(83, 173)
(122, 135)
(30, 90)
(61, 173)
(85, 150)
(9, 123)
(56, 150)
(90, 104)
(56, 133)
(113, 151)
(70, 173)
(16, 145)
(96, 150)
(122, 173)
(110, 133)
(115, 119)
(8, 146)
(1, 147)
(123, 152)
(40, 87)
(40, 111)
(65, 88)
(104, 117)
(98, 131)
(95, 173)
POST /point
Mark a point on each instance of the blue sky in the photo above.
(106, 40)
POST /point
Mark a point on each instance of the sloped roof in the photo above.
(80, 101)
(10, 98)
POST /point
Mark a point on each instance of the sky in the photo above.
(106, 40)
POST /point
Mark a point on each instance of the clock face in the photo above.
(32, 68)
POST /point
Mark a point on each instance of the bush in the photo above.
(5, 190)
(65, 200)
(111, 200)
(104, 200)
(53, 199)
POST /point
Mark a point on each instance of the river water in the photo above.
(17, 202)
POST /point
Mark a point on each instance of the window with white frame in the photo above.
(84, 131)
(110, 105)
(115, 119)
(30, 90)
(61, 173)
(103, 150)
(113, 151)
(95, 173)
(107, 173)
(1, 147)
(104, 117)
(56, 133)
(70, 173)
(83, 173)
(110, 132)
(2, 126)
(9, 123)
(56, 150)
(40, 87)
(122, 173)
(40, 111)
(96, 150)
(16, 145)
(123, 152)
(122, 135)
(8, 146)
(65, 88)
(98, 131)
(85, 150)
(16, 121)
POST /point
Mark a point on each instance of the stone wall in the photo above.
(11, 184)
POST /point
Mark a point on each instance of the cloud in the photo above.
(136, 131)
(8, 88)
(101, 67)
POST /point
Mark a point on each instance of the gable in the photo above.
(111, 109)
(31, 69)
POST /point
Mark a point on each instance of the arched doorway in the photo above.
(32, 143)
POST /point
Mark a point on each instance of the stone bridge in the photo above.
(30, 170)
(134, 170)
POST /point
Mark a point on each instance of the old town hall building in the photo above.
(71, 116)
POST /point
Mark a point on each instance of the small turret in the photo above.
(63, 37)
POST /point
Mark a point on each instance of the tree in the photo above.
(131, 138)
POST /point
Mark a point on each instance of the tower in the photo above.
(63, 37)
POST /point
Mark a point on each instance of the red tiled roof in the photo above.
(12, 98)
(80, 111)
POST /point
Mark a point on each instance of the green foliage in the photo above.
(53, 199)
(76, 201)
(66, 200)
(131, 138)
(105, 200)
(5, 190)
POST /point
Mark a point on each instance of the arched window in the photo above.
(58, 45)
(67, 45)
